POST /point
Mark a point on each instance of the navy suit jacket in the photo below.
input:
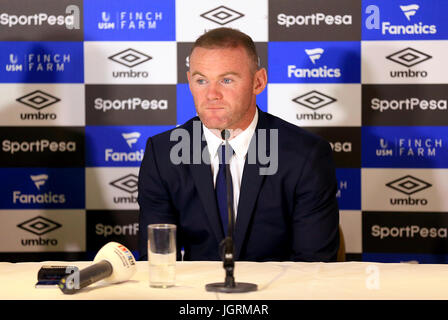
(291, 215)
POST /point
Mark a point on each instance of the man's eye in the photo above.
(227, 81)
(200, 81)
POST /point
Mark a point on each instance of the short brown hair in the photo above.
(228, 38)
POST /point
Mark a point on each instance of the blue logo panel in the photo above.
(41, 62)
(405, 147)
(349, 189)
(118, 146)
(404, 20)
(130, 20)
(314, 62)
(42, 188)
(185, 103)
(406, 257)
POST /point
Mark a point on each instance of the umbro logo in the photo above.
(314, 100)
(128, 183)
(130, 58)
(408, 57)
(408, 185)
(222, 15)
(39, 225)
(38, 100)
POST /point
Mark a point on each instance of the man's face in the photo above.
(224, 86)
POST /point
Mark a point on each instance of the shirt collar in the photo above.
(239, 143)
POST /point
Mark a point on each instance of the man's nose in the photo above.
(214, 92)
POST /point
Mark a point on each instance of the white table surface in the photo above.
(275, 280)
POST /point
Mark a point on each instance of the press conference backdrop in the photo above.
(85, 83)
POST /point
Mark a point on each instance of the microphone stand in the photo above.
(229, 285)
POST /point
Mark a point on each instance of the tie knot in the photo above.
(225, 154)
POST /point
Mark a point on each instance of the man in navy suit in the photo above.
(283, 177)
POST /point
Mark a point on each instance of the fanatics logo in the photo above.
(128, 183)
(408, 57)
(409, 10)
(222, 15)
(314, 54)
(39, 225)
(38, 100)
(314, 100)
(131, 138)
(39, 180)
(408, 185)
(130, 58)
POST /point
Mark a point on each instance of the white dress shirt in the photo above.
(240, 145)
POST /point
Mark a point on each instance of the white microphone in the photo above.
(113, 263)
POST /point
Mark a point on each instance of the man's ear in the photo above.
(188, 77)
(260, 81)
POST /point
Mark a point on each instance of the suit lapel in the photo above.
(251, 183)
(203, 180)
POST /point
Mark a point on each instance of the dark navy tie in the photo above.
(221, 186)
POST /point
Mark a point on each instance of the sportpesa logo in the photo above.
(130, 104)
(314, 19)
(42, 145)
(408, 104)
(39, 19)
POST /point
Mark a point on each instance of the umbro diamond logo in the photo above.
(222, 15)
(408, 185)
(38, 100)
(128, 183)
(130, 58)
(408, 57)
(314, 100)
(39, 225)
